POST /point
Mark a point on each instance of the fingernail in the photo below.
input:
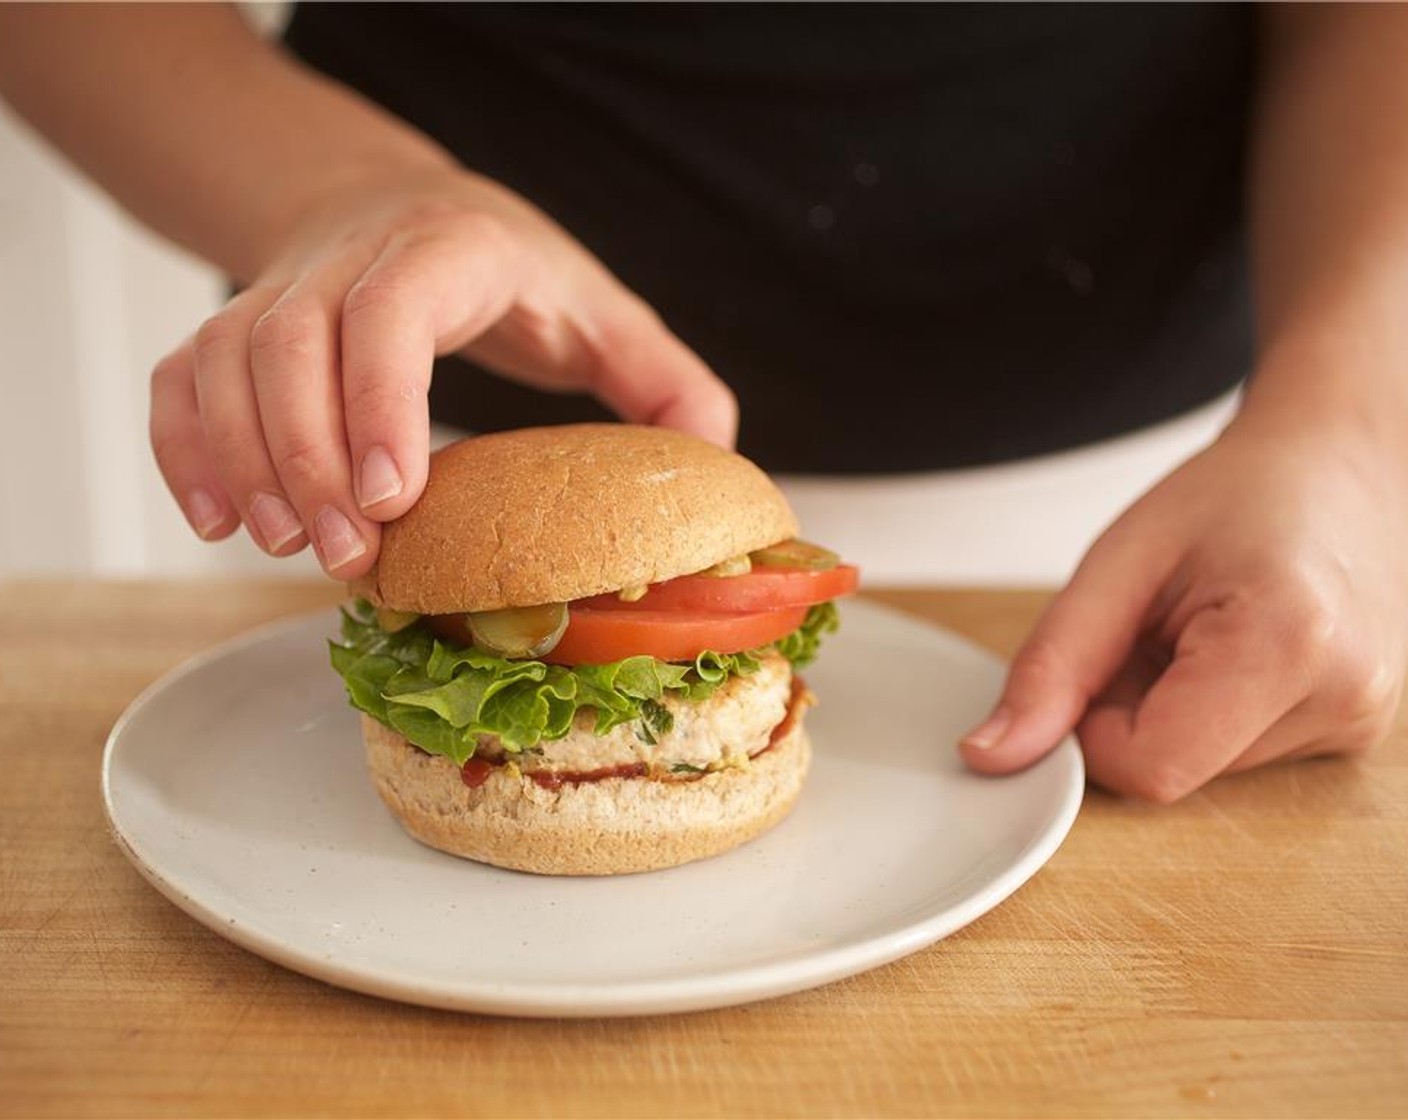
(989, 733)
(380, 479)
(204, 512)
(275, 520)
(339, 542)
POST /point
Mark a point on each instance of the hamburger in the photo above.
(577, 651)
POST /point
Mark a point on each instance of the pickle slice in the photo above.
(733, 566)
(796, 554)
(392, 621)
(518, 631)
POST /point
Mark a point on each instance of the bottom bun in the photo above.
(604, 827)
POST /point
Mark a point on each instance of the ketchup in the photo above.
(797, 703)
(476, 771)
(556, 779)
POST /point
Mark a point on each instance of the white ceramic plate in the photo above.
(237, 787)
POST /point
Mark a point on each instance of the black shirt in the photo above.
(910, 237)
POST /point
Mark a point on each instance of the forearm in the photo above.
(206, 133)
(1329, 197)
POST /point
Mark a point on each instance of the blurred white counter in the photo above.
(1018, 524)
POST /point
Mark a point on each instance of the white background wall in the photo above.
(89, 303)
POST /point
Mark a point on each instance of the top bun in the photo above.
(546, 515)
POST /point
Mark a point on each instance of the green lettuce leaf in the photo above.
(442, 698)
(800, 647)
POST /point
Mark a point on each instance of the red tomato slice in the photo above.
(598, 637)
(766, 589)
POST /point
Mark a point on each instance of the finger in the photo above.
(645, 374)
(295, 366)
(422, 296)
(1269, 754)
(1293, 736)
(1110, 716)
(621, 352)
(1077, 646)
(1227, 686)
(1309, 731)
(229, 415)
(1355, 703)
(1108, 726)
(178, 441)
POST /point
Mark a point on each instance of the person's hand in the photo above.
(1251, 607)
(300, 408)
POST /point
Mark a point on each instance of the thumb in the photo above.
(1072, 653)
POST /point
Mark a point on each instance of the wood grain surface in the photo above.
(1244, 953)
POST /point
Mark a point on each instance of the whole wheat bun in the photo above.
(605, 827)
(547, 515)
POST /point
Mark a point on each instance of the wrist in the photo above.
(1336, 391)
